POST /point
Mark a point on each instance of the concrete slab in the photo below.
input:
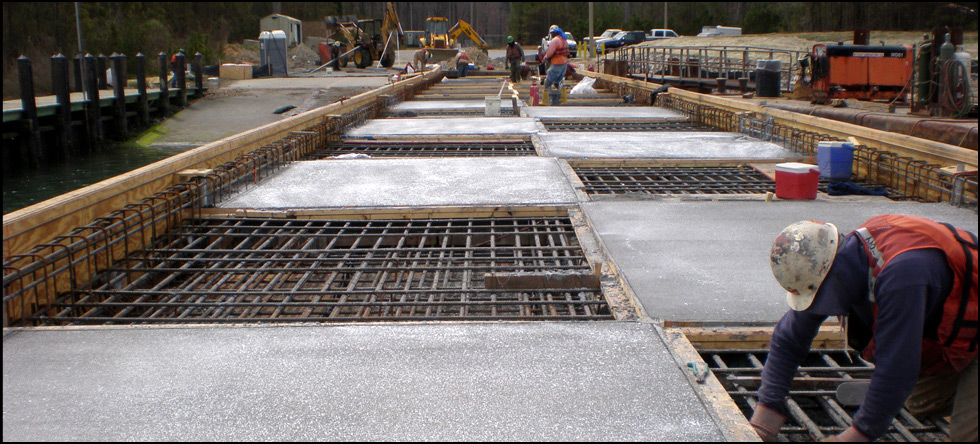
(709, 261)
(437, 382)
(661, 145)
(593, 113)
(232, 110)
(435, 105)
(502, 126)
(411, 182)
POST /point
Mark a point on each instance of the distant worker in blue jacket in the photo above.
(906, 291)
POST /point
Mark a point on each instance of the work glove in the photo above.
(849, 435)
(767, 422)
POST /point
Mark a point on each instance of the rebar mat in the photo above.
(568, 126)
(814, 412)
(674, 180)
(428, 149)
(275, 270)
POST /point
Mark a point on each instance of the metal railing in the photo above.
(705, 64)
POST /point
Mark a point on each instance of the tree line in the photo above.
(39, 30)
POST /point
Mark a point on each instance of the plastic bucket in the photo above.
(492, 106)
(797, 181)
(767, 78)
(835, 160)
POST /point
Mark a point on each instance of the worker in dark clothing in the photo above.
(905, 289)
(515, 59)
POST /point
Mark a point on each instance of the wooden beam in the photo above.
(741, 338)
(733, 424)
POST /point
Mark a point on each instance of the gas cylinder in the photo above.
(534, 93)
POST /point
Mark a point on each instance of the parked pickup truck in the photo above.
(660, 34)
(623, 38)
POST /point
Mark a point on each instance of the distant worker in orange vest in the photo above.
(557, 57)
(905, 289)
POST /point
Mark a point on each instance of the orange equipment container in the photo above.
(862, 72)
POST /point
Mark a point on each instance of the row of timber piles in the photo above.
(88, 109)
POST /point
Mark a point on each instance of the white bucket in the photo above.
(492, 107)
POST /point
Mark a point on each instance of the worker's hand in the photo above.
(767, 422)
(849, 435)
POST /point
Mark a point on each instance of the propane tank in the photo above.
(923, 65)
(946, 50)
(534, 92)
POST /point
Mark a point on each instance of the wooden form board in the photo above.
(920, 149)
(733, 424)
(23, 229)
(829, 337)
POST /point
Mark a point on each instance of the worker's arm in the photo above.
(788, 347)
(912, 285)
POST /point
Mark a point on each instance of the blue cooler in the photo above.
(835, 160)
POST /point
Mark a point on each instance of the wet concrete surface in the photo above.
(411, 182)
(540, 381)
(709, 261)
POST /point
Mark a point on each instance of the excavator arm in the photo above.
(461, 27)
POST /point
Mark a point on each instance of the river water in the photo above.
(28, 187)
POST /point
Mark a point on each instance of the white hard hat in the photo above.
(553, 28)
(801, 257)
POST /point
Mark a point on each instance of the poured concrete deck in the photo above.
(661, 145)
(411, 182)
(483, 126)
(596, 113)
(709, 261)
(447, 382)
(447, 105)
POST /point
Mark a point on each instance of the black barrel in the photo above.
(767, 78)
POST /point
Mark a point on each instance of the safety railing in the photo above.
(705, 64)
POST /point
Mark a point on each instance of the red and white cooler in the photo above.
(796, 181)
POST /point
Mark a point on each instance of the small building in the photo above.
(292, 27)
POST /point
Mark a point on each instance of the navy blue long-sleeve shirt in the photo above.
(910, 292)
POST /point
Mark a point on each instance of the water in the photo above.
(22, 189)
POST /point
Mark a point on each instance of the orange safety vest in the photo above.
(887, 236)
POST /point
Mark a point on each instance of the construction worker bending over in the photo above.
(462, 63)
(557, 57)
(905, 289)
(515, 58)
(421, 56)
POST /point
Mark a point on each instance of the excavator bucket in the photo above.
(439, 55)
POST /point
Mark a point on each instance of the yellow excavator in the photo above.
(365, 40)
(441, 41)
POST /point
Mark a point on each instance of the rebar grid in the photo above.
(274, 270)
(739, 179)
(814, 412)
(68, 262)
(441, 149)
(910, 178)
(620, 126)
